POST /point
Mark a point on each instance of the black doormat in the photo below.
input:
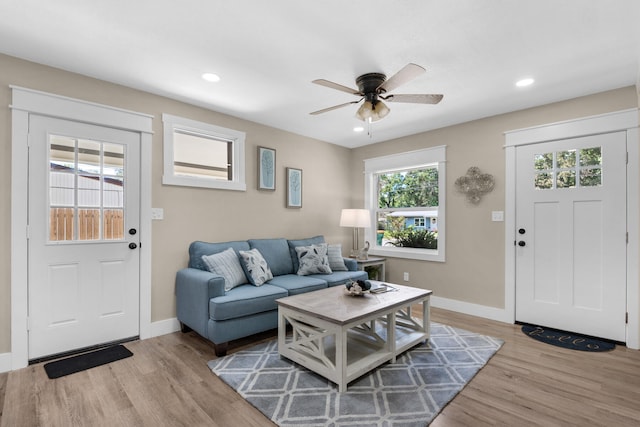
(567, 339)
(74, 364)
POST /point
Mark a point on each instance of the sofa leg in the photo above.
(184, 328)
(221, 349)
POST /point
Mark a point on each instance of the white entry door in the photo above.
(571, 235)
(83, 266)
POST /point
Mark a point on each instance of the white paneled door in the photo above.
(83, 241)
(571, 235)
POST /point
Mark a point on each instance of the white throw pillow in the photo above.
(227, 265)
(336, 262)
(313, 259)
(259, 271)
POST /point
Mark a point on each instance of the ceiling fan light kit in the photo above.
(371, 89)
(372, 112)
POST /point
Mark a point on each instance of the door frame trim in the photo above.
(26, 102)
(625, 120)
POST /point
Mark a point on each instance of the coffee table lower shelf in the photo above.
(344, 352)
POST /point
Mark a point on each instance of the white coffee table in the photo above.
(342, 337)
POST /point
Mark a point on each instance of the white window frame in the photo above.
(402, 161)
(237, 138)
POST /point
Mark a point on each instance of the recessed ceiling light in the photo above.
(358, 129)
(210, 77)
(525, 82)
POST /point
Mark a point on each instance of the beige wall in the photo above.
(475, 250)
(474, 267)
(189, 213)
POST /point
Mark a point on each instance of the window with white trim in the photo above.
(401, 190)
(198, 154)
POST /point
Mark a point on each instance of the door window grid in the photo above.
(86, 190)
(572, 168)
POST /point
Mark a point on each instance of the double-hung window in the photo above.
(199, 154)
(405, 194)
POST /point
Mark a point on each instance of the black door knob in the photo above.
(132, 231)
(521, 243)
(132, 246)
(521, 231)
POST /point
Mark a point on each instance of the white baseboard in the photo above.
(168, 326)
(5, 362)
(163, 327)
(493, 313)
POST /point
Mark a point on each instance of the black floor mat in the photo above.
(567, 339)
(79, 363)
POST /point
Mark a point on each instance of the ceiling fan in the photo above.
(373, 87)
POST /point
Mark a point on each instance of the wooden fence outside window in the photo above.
(62, 223)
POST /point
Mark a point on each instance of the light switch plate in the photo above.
(157, 213)
(497, 216)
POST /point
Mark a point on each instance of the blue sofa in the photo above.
(220, 315)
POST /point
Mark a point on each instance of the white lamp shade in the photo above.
(359, 218)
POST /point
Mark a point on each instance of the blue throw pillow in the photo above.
(227, 265)
(336, 261)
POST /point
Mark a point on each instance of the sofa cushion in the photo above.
(316, 240)
(313, 260)
(197, 249)
(341, 277)
(256, 267)
(245, 300)
(276, 253)
(336, 261)
(295, 284)
(227, 265)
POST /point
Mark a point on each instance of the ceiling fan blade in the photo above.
(405, 75)
(332, 85)
(414, 99)
(335, 107)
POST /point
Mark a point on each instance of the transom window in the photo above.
(405, 194)
(198, 154)
(568, 169)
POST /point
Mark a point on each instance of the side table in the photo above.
(373, 261)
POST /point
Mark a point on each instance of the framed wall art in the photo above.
(294, 188)
(266, 169)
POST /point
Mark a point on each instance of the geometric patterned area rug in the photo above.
(410, 392)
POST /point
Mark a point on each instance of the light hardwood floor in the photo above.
(167, 383)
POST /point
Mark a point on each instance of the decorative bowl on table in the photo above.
(357, 288)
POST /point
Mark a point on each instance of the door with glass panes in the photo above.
(83, 241)
(571, 235)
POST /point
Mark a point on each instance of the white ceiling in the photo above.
(268, 52)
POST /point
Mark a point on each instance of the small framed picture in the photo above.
(294, 188)
(266, 169)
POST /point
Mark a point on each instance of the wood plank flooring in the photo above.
(167, 383)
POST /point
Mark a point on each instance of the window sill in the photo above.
(409, 253)
(204, 183)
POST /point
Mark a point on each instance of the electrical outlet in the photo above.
(406, 276)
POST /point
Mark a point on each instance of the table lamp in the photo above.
(356, 218)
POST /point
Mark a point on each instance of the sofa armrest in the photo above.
(194, 289)
(352, 264)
